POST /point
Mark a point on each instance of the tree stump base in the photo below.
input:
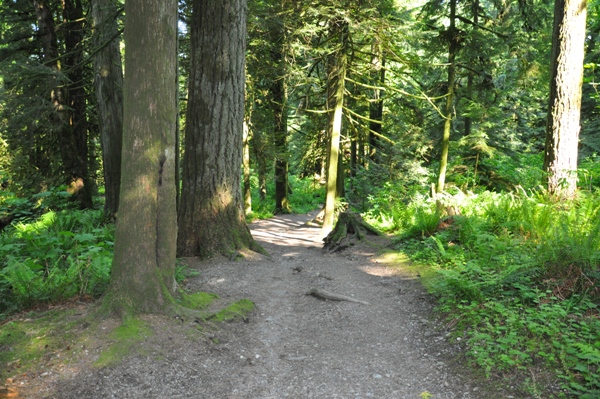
(349, 228)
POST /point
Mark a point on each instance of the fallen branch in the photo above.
(317, 293)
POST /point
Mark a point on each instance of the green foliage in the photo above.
(307, 194)
(520, 276)
(60, 255)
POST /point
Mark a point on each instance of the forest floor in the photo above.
(293, 345)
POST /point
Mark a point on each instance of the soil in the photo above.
(293, 345)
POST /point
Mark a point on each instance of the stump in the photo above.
(348, 228)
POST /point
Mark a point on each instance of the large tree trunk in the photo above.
(74, 138)
(562, 131)
(335, 102)
(452, 50)
(108, 80)
(211, 218)
(142, 278)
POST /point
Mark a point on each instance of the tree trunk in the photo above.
(142, 277)
(211, 218)
(376, 105)
(453, 49)
(69, 104)
(562, 130)
(108, 80)
(260, 154)
(74, 138)
(335, 102)
(246, 168)
(279, 106)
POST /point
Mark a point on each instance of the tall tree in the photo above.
(143, 269)
(562, 131)
(211, 218)
(74, 136)
(279, 98)
(453, 40)
(108, 81)
(336, 77)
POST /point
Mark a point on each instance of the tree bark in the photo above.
(246, 168)
(211, 218)
(335, 102)
(142, 277)
(68, 104)
(376, 105)
(279, 106)
(452, 50)
(74, 137)
(108, 81)
(260, 154)
(562, 130)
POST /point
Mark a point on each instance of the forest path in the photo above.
(295, 345)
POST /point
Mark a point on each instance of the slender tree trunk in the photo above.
(453, 48)
(376, 106)
(470, 76)
(260, 154)
(562, 131)
(108, 80)
(335, 102)
(279, 105)
(246, 167)
(142, 277)
(211, 217)
(74, 138)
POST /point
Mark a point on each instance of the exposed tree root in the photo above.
(350, 226)
(321, 294)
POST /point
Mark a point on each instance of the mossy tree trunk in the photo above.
(142, 279)
(452, 35)
(562, 130)
(108, 81)
(335, 103)
(211, 218)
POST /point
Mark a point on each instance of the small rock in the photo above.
(377, 376)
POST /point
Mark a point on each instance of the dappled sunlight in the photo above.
(390, 264)
(286, 230)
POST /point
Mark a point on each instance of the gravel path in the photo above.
(294, 345)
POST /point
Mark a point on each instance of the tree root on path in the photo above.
(321, 294)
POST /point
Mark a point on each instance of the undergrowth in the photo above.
(518, 275)
(306, 195)
(58, 256)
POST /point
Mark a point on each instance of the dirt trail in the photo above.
(294, 345)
